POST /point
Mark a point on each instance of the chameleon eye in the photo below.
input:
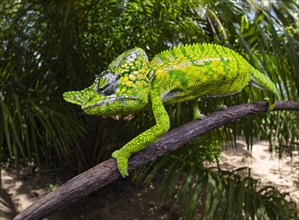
(107, 83)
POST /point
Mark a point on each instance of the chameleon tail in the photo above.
(261, 81)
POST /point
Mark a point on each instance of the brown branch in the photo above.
(106, 172)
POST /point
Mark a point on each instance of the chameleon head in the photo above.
(121, 89)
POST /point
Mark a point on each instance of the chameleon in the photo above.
(132, 83)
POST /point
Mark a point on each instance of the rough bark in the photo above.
(106, 172)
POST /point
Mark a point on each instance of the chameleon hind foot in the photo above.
(271, 104)
(122, 162)
(197, 115)
(221, 107)
(220, 104)
(200, 117)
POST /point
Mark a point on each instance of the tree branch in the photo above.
(107, 172)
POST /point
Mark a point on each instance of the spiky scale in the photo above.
(184, 73)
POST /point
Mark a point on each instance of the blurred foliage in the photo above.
(212, 193)
(51, 46)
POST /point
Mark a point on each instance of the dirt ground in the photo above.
(124, 200)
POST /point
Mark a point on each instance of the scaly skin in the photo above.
(132, 83)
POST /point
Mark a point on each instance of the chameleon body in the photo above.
(132, 83)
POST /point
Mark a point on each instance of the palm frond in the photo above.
(216, 194)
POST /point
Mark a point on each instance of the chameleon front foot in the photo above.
(122, 163)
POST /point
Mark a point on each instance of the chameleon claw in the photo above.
(122, 163)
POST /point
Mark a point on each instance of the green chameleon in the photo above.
(132, 83)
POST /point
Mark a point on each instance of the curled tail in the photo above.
(261, 81)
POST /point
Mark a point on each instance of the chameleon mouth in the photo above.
(108, 101)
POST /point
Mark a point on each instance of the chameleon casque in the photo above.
(132, 83)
